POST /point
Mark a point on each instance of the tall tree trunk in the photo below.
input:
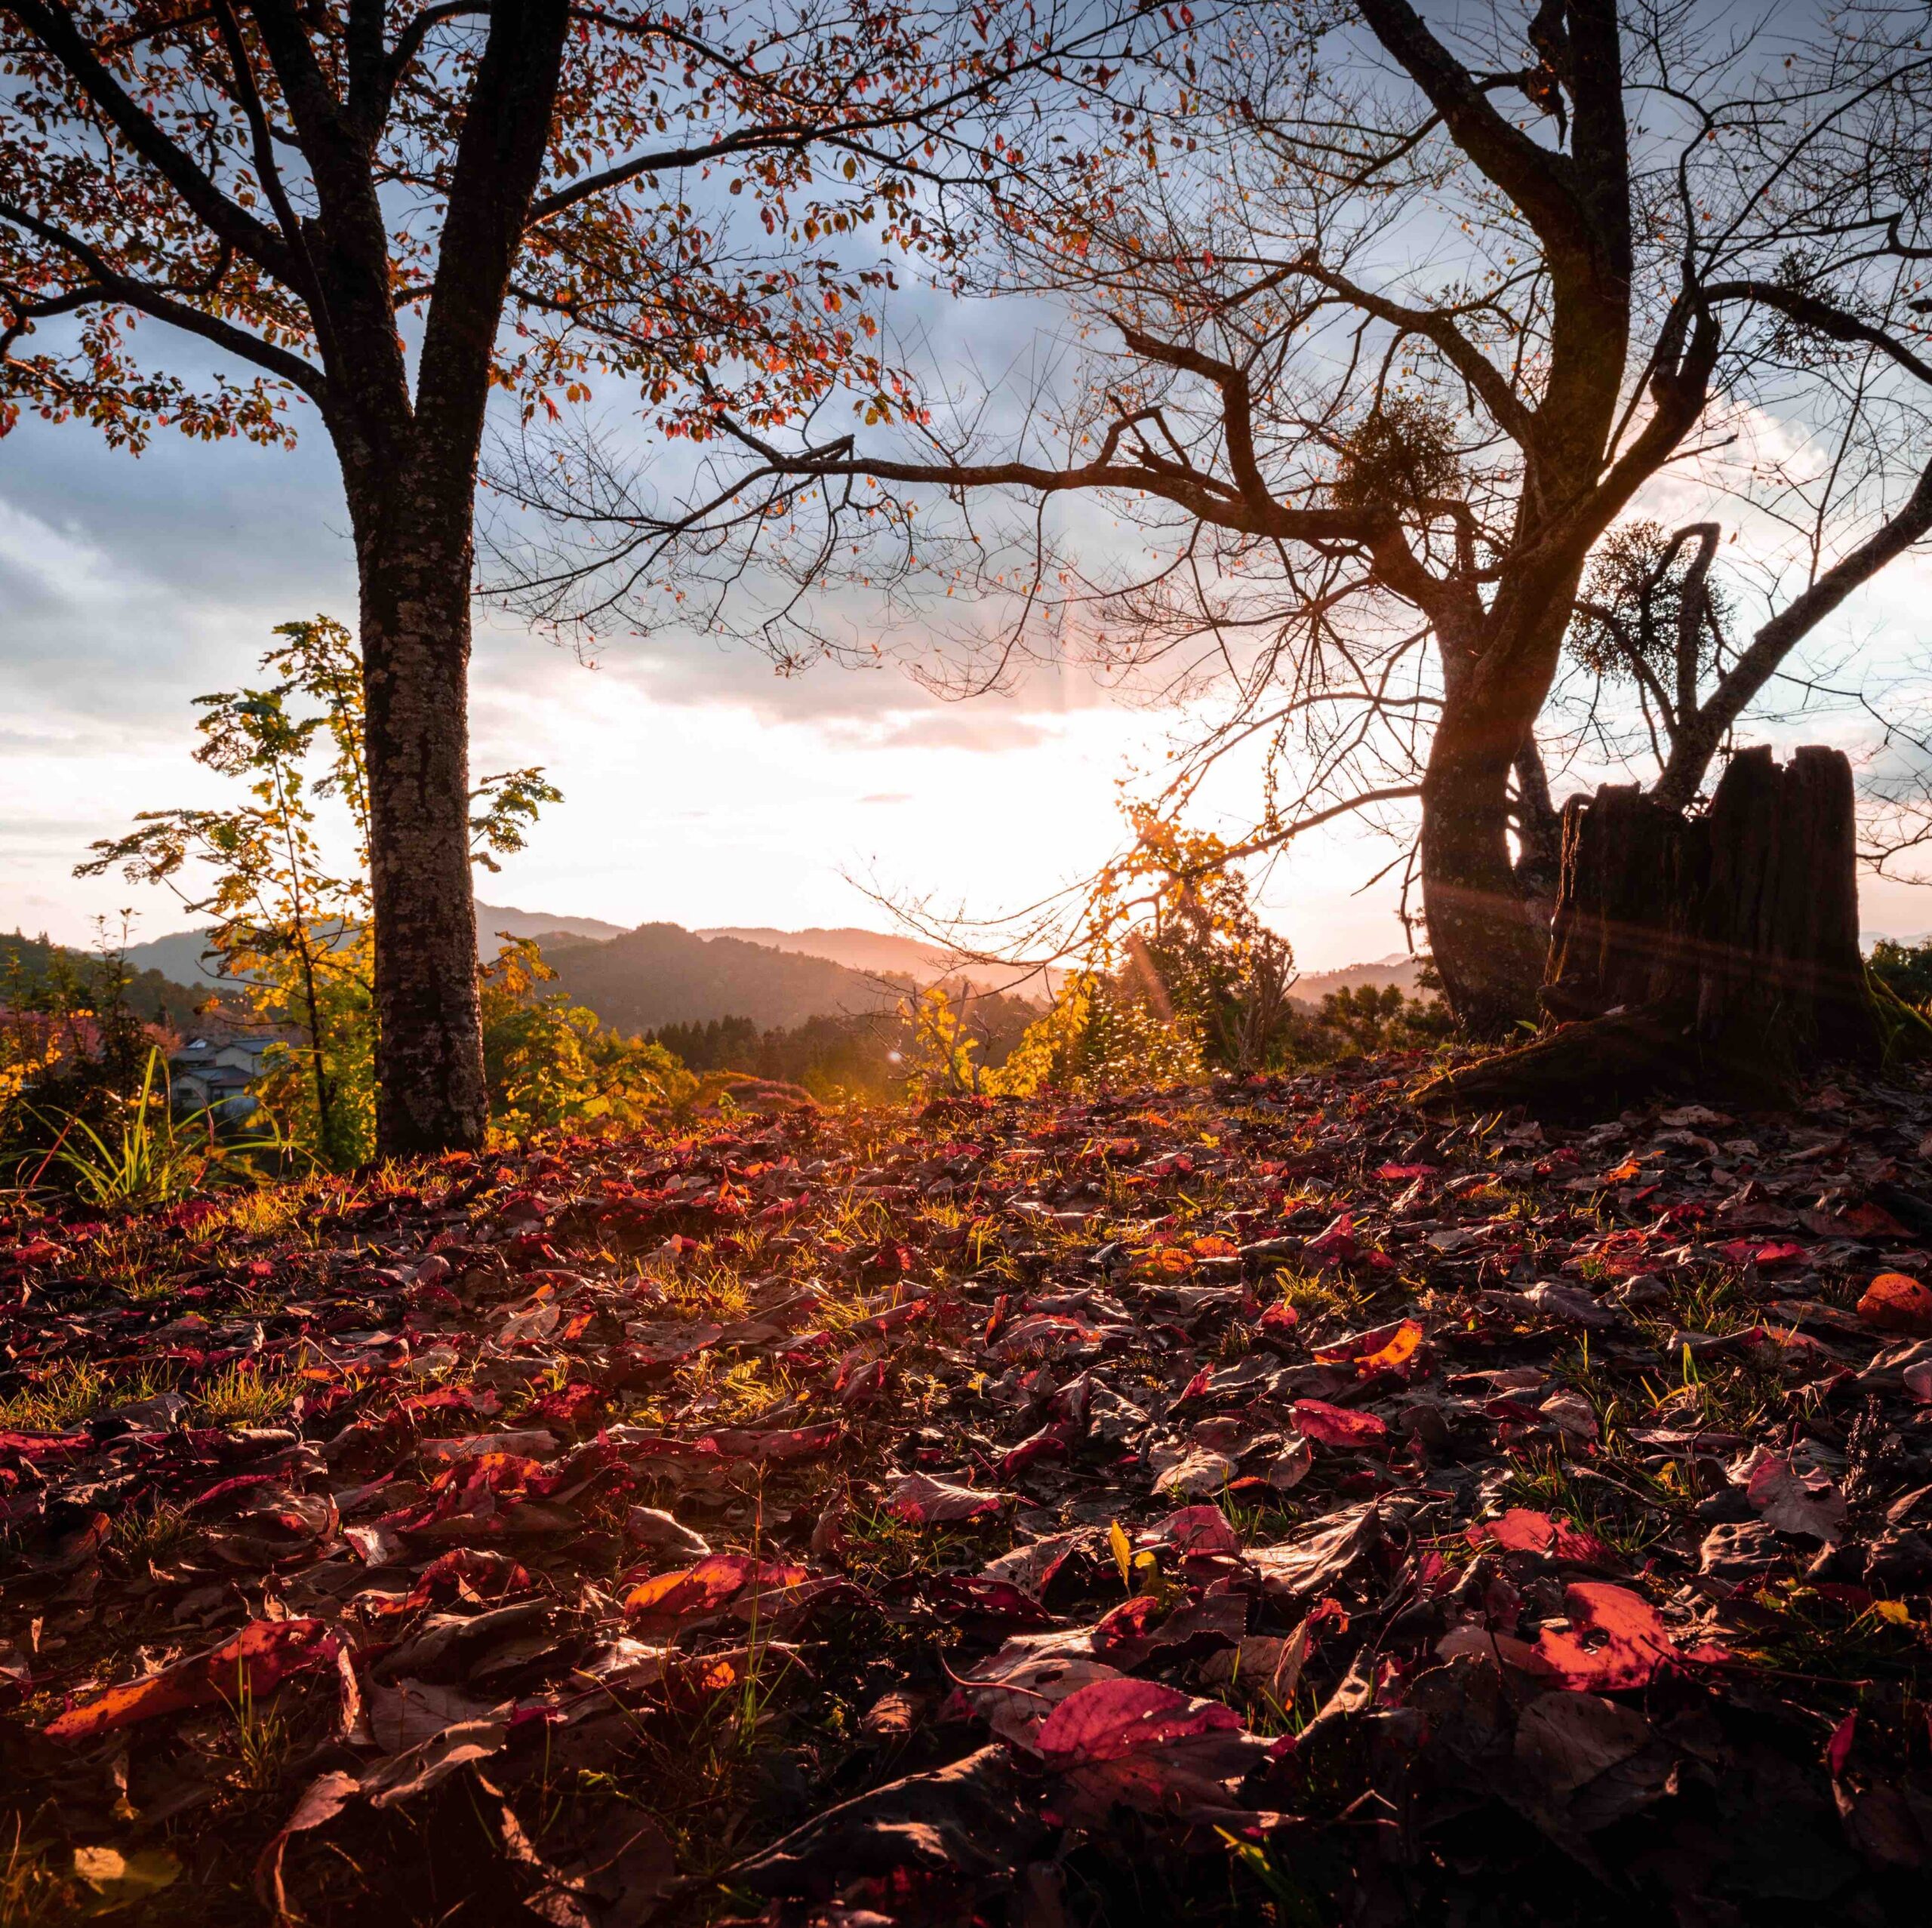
(415, 559)
(1488, 941)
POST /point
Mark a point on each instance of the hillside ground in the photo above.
(1245, 1503)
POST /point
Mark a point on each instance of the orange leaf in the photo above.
(260, 1657)
(1897, 1301)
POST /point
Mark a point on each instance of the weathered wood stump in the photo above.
(1712, 951)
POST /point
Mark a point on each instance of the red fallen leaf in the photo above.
(1335, 1425)
(926, 1502)
(482, 1573)
(323, 1799)
(690, 1592)
(861, 1381)
(1196, 1386)
(975, 1595)
(1918, 1383)
(893, 1317)
(1871, 1221)
(798, 1442)
(1522, 1530)
(35, 1252)
(45, 1446)
(1126, 1623)
(1898, 1303)
(1393, 1173)
(1837, 1749)
(1032, 1567)
(228, 1488)
(263, 1655)
(631, 1443)
(576, 1405)
(1636, 1645)
(1279, 1317)
(1193, 1529)
(1742, 1251)
(1336, 1244)
(1050, 1441)
(1107, 1719)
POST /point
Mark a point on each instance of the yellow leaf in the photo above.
(1122, 1553)
(120, 1879)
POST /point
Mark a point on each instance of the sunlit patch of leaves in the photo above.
(245, 1394)
(74, 1390)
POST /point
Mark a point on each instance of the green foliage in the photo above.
(1905, 970)
(73, 1050)
(550, 1063)
(720, 1043)
(1369, 1017)
(291, 924)
(870, 1055)
(1905, 1028)
(1178, 976)
(149, 1157)
(1641, 593)
(1403, 455)
(1098, 1033)
(941, 1060)
(37, 974)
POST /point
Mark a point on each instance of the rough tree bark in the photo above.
(1718, 950)
(1484, 932)
(409, 467)
(414, 615)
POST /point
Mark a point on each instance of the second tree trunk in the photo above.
(1719, 948)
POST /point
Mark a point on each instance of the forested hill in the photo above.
(662, 973)
(30, 966)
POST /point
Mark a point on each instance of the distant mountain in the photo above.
(491, 919)
(662, 973)
(857, 950)
(180, 955)
(878, 951)
(160, 997)
(1399, 969)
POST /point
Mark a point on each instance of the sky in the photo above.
(700, 786)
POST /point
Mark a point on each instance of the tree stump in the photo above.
(1718, 951)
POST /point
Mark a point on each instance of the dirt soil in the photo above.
(1245, 1503)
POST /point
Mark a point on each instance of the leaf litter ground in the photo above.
(1245, 1503)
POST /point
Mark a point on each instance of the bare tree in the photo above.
(1406, 322)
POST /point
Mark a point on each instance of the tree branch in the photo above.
(54, 27)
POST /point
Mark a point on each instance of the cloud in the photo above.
(980, 727)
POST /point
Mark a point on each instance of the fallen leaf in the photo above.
(1897, 1301)
(925, 1502)
(260, 1658)
(1335, 1425)
(122, 1881)
(1630, 1646)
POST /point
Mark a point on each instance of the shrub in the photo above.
(551, 1062)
